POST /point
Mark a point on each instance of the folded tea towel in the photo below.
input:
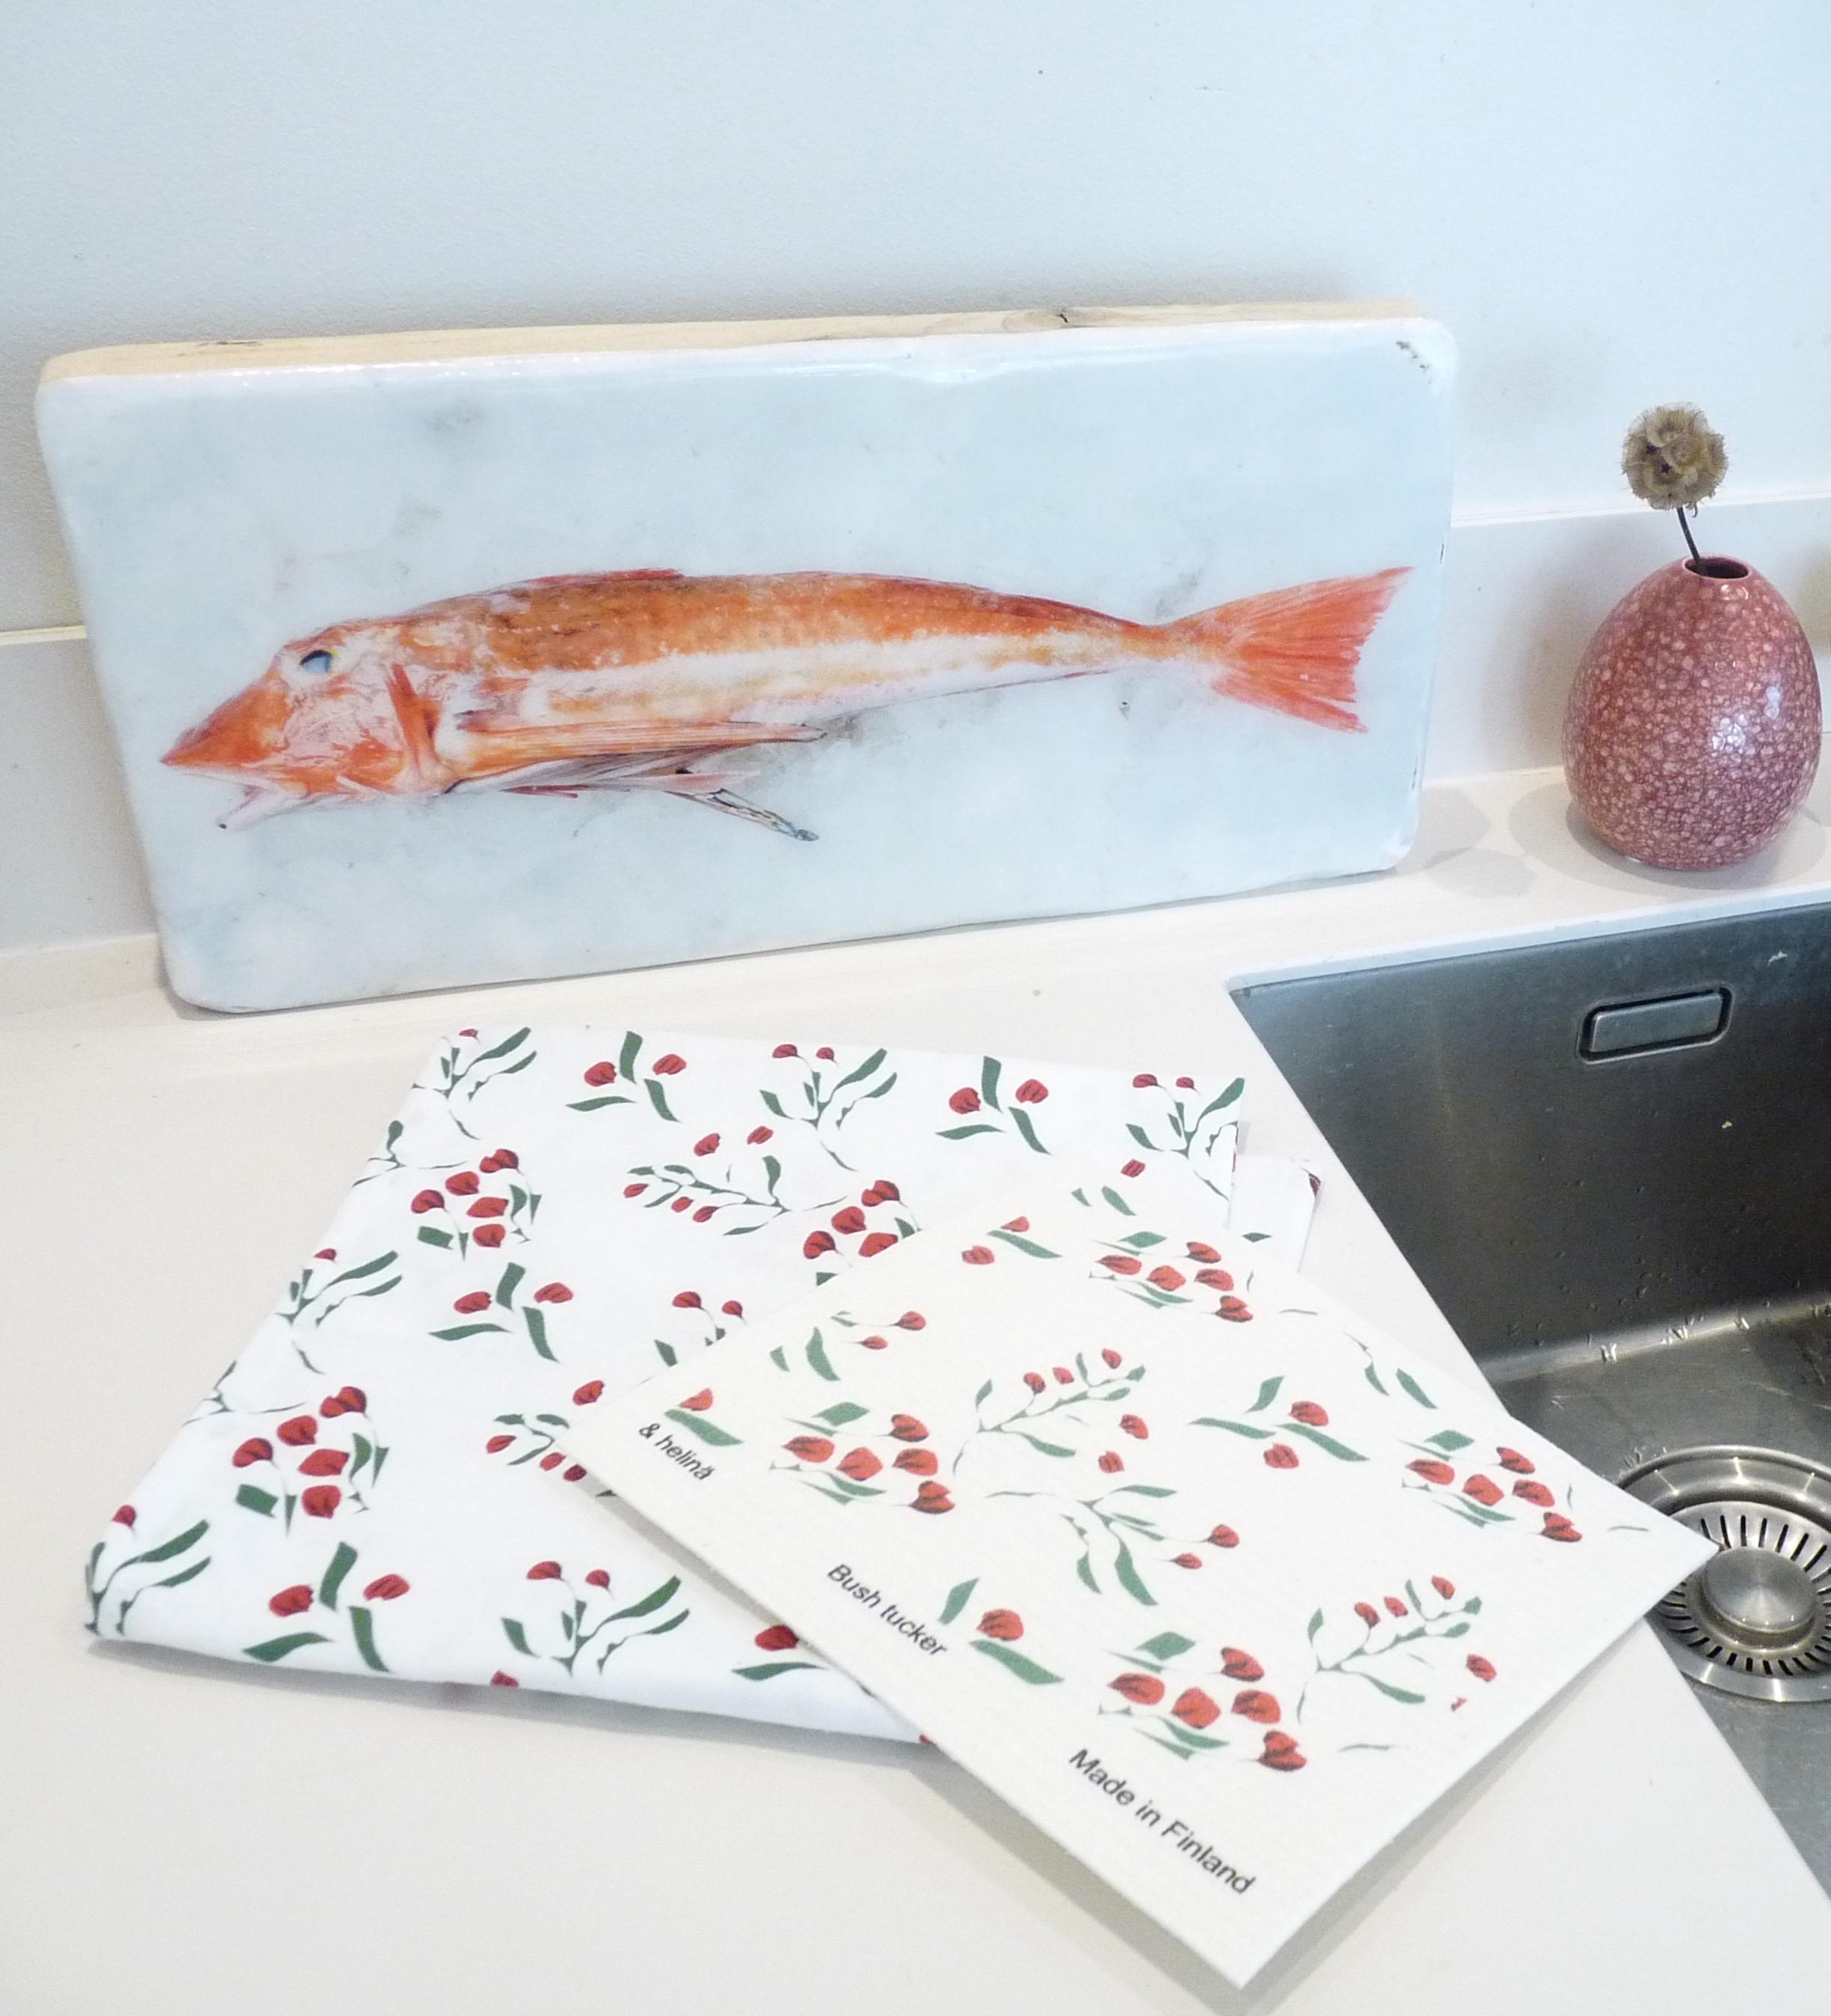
(379, 1483)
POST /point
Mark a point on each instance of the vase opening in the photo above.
(1716, 567)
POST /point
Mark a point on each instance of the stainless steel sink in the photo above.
(1609, 1161)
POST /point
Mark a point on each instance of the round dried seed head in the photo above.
(1671, 458)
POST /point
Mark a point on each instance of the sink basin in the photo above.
(1609, 1160)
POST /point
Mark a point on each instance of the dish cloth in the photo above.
(380, 1483)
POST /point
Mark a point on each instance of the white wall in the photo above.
(1609, 204)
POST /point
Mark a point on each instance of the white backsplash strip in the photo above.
(1521, 596)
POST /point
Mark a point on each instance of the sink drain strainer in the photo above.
(1756, 1619)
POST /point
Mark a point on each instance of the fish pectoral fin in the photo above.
(657, 773)
(705, 787)
(502, 744)
(257, 802)
(729, 801)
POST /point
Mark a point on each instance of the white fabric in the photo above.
(379, 1483)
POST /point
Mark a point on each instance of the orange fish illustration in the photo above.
(647, 680)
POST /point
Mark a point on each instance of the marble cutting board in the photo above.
(491, 655)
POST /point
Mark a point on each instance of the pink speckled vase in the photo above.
(1692, 731)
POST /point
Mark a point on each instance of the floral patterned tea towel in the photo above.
(381, 1483)
(1213, 1581)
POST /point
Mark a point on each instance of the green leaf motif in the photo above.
(956, 1598)
(458, 1331)
(778, 1358)
(1129, 1578)
(1138, 1241)
(1084, 1568)
(341, 1563)
(1416, 1392)
(1118, 1203)
(516, 1636)
(1029, 1246)
(775, 1105)
(983, 1395)
(277, 1648)
(708, 1431)
(1397, 1693)
(1025, 1669)
(656, 1098)
(430, 1235)
(512, 1275)
(1450, 1440)
(254, 1499)
(362, 1626)
(1142, 1490)
(197, 1567)
(1036, 1442)
(360, 1273)
(1315, 1625)
(626, 1057)
(502, 1049)
(846, 1411)
(1339, 1450)
(1267, 1393)
(960, 1133)
(1167, 1645)
(1021, 1120)
(536, 1324)
(1138, 1134)
(1233, 1428)
(775, 1666)
(847, 1489)
(989, 1082)
(188, 1539)
(592, 1105)
(1372, 1379)
(863, 1071)
(817, 1357)
(655, 1599)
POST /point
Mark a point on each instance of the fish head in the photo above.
(324, 719)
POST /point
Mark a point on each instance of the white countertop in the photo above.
(191, 1836)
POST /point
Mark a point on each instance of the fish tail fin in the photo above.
(1296, 650)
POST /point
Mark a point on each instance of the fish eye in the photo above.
(316, 661)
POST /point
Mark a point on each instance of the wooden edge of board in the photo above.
(441, 346)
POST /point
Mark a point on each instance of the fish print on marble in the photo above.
(651, 679)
